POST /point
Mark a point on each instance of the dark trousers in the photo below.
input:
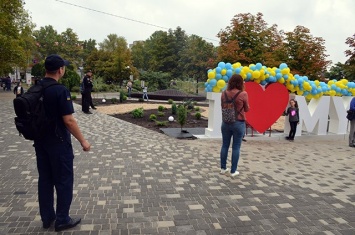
(293, 130)
(86, 101)
(55, 170)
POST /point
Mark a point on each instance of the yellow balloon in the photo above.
(285, 71)
(216, 89)
(221, 83)
(299, 92)
(281, 80)
(256, 74)
(211, 75)
(224, 71)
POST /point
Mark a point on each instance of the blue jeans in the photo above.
(235, 130)
(145, 95)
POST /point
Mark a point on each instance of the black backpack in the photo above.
(229, 109)
(31, 121)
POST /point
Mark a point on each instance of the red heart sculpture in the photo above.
(266, 106)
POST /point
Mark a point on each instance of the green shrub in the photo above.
(173, 109)
(153, 117)
(140, 100)
(197, 109)
(162, 123)
(170, 101)
(182, 115)
(114, 100)
(161, 108)
(75, 89)
(195, 103)
(137, 113)
(73, 97)
(198, 115)
(188, 104)
(160, 114)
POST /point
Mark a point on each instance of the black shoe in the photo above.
(88, 112)
(244, 140)
(47, 225)
(93, 107)
(71, 224)
(287, 138)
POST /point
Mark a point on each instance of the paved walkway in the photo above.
(136, 181)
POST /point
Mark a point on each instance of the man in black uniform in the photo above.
(55, 152)
(86, 94)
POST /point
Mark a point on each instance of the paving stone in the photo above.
(135, 181)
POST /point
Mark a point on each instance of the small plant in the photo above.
(173, 109)
(197, 109)
(170, 101)
(162, 123)
(124, 98)
(161, 108)
(198, 115)
(160, 114)
(194, 103)
(188, 104)
(137, 113)
(182, 115)
(140, 100)
(114, 100)
(73, 97)
(153, 117)
(122, 95)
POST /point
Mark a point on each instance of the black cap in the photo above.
(54, 62)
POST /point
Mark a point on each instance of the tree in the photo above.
(195, 57)
(15, 39)
(306, 54)
(336, 71)
(140, 57)
(113, 61)
(249, 39)
(349, 68)
(47, 41)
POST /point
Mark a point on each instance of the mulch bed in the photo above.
(192, 122)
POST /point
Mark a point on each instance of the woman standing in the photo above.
(236, 128)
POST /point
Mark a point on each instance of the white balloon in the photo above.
(103, 101)
(171, 119)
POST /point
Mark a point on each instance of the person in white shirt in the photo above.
(145, 92)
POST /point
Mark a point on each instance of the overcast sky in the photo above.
(333, 20)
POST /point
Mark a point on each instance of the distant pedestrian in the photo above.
(235, 129)
(18, 90)
(145, 92)
(293, 118)
(129, 88)
(86, 93)
(352, 123)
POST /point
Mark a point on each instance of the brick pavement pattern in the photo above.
(136, 181)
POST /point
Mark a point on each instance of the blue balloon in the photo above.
(285, 76)
(263, 83)
(277, 70)
(218, 70)
(222, 65)
(283, 66)
(278, 76)
(228, 66)
(218, 76)
(252, 67)
(249, 75)
(238, 70)
(229, 73)
(213, 82)
(258, 66)
(225, 78)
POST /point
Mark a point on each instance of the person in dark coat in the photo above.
(18, 90)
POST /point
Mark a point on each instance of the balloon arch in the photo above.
(300, 85)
